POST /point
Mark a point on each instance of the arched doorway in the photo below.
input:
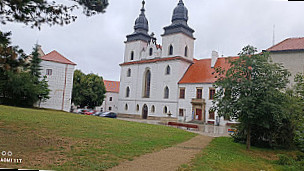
(145, 112)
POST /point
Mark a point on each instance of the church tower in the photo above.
(178, 40)
(151, 72)
(138, 40)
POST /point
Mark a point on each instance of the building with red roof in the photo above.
(110, 102)
(196, 91)
(59, 72)
(290, 53)
(56, 57)
(165, 80)
(287, 45)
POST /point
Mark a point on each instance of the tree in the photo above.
(42, 83)
(250, 91)
(299, 86)
(20, 82)
(44, 91)
(77, 92)
(12, 59)
(88, 90)
(299, 92)
(20, 90)
(37, 12)
(35, 67)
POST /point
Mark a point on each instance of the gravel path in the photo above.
(167, 159)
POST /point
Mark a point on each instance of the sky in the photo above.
(96, 44)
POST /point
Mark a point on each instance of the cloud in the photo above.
(96, 43)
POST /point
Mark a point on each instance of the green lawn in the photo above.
(47, 139)
(223, 154)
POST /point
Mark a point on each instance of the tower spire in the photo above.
(179, 21)
(141, 23)
(141, 27)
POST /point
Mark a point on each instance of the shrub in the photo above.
(285, 160)
(299, 138)
(300, 156)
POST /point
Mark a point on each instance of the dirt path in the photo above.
(167, 159)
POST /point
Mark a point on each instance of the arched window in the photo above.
(129, 73)
(137, 108)
(126, 107)
(132, 55)
(186, 51)
(165, 110)
(170, 50)
(153, 109)
(128, 92)
(168, 70)
(147, 83)
(150, 51)
(166, 93)
(145, 112)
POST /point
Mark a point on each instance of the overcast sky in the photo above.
(96, 43)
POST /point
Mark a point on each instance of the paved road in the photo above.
(208, 130)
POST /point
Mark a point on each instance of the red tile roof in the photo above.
(54, 56)
(201, 71)
(112, 86)
(155, 60)
(288, 45)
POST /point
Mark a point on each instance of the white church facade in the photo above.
(162, 80)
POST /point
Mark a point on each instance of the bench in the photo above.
(188, 126)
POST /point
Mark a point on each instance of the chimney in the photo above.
(214, 58)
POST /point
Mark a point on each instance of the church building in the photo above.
(166, 80)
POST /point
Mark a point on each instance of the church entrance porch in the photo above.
(198, 107)
(145, 112)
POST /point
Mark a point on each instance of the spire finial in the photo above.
(143, 3)
(143, 6)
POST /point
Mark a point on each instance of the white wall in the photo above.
(137, 47)
(293, 61)
(107, 103)
(159, 80)
(156, 51)
(190, 93)
(179, 41)
(61, 74)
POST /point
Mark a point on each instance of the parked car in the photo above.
(109, 115)
(97, 113)
(90, 112)
(81, 111)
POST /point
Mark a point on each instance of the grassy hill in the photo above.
(223, 154)
(47, 139)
